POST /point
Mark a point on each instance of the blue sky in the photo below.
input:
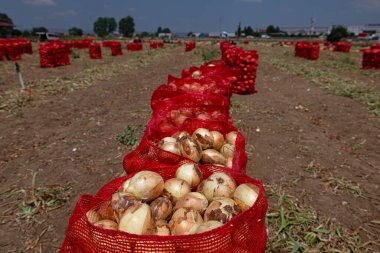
(191, 15)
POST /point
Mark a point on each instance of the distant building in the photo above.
(368, 28)
(305, 30)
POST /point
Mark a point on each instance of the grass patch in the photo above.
(210, 54)
(130, 135)
(294, 228)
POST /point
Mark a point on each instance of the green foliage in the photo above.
(144, 34)
(272, 29)
(4, 31)
(166, 30)
(35, 30)
(127, 26)
(129, 136)
(159, 30)
(209, 55)
(337, 33)
(26, 33)
(75, 31)
(103, 26)
(238, 30)
(248, 31)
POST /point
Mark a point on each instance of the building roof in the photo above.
(4, 24)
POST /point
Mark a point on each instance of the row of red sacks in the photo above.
(244, 64)
(12, 49)
(203, 95)
(307, 50)
(189, 46)
(342, 47)
(375, 46)
(371, 58)
(54, 55)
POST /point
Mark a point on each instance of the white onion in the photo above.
(175, 188)
(209, 225)
(189, 148)
(193, 200)
(146, 185)
(183, 220)
(162, 228)
(124, 186)
(218, 140)
(121, 201)
(179, 135)
(211, 156)
(229, 161)
(93, 216)
(227, 150)
(218, 184)
(166, 140)
(246, 195)
(106, 211)
(190, 173)
(171, 147)
(137, 220)
(106, 224)
(203, 137)
(161, 208)
(222, 209)
(231, 137)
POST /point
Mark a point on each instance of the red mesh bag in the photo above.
(95, 51)
(135, 46)
(244, 233)
(162, 97)
(209, 84)
(371, 59)
(375, 46)
(342, 47)
(116, 49)
(148, 153)
(153, 45)
(54, 54)
(307, 50)
(189, 46)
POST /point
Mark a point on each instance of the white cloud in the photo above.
(40, 2)
(66, 13)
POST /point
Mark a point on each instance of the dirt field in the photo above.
(315, 147)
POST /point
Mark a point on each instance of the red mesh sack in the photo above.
(149, 154)
(153, 45)
(162, 97)
(342, 47)
(209, 84)
(307, 50)
(189, 46)
(135, 46)
(375, 46)
(371, 59)
(116, 49)
(244, 233)
(95, 51)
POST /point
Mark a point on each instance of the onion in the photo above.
(183, 220)
(218, 184)
(204, 116)
(178, 121)
(231, 137)
(203, 137)
(179, 135)
(106, 224)
(218, 140)
(106, 211)
(211, 156)
(192, 200)
(227, 150)
(171, 147)
(229, 162)
(121, 201)
(162, 228)
(246, 195)
(166, 140)
(175, 188)
(209, 225)
(222, 209)
(161, 208)
(146, 185)
(137, 220)
(190, 148)
(93, 216)
(196, 74)
(124, 186)
(190, 173)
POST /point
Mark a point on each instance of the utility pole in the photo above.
(312, 20)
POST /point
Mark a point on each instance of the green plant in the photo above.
(129, 135)
(209, 55)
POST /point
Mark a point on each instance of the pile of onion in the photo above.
(147, 205)
(204, 146)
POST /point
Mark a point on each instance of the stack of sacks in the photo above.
(342, 47)
(95, 51)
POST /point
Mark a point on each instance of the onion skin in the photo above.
(161, 208)
(137, 220)
(203, 137)
(218, 140)
(146, 185)
(190, 173)
(106, 211)
(93, 216)
(246, 195)
(190, 148)
(166, 140)
(208, 225)
(231, 137)
(106, 224)
(121, 201)
(218, 184)
(175, 188)
(229, 162)
(124, 186)
(211, 156)
(179, 135)
(171, 147)
(227, 150)
(193, 200)
(162, 228)
(183, 220)
(222, 210)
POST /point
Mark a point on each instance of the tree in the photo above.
(127, 26)
(16, 33)
(337, 33)
(75, 31)
(238, 31)
(26, 33)
(248, 31)
(166, 30)
(270, 29)
(35, 30)
(144, 34)
(103, 26)
(5, 30)
(159, 30)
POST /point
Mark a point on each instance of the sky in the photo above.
(190, 15)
